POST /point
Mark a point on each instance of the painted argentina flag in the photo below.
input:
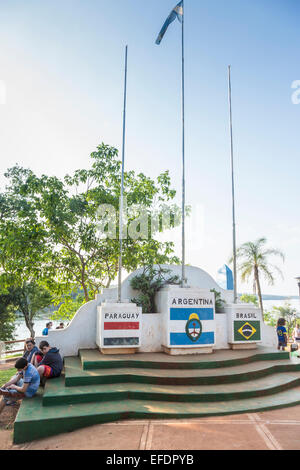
(192, 320)
(177, 12)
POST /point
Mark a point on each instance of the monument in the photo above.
(186, 321)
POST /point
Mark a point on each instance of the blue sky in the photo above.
(62, 66)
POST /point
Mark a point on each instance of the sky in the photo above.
(61, 94)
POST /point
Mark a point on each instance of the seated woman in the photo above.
(32, 354)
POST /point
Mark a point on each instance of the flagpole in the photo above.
(233, 191)
(183, 280)
(122, 183)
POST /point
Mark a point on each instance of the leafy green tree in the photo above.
(31, 299)
(249, 299)
(254, 262)
(50, 227)
(68, 306)
(7, 317)
(270, 319)
(149, 283)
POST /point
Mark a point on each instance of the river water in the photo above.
(22, 332)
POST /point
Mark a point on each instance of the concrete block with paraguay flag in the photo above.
(119, 327)
(189, 320)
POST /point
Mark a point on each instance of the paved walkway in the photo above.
(272, 430)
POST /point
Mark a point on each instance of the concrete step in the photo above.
(93, 359)
(35, 421)
(57, 394)
(76, 376)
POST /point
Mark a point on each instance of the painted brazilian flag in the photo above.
(247, 331)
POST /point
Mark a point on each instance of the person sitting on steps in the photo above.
(32, 354)
(24, 384)
(52, 364)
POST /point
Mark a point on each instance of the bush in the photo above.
(148, 284)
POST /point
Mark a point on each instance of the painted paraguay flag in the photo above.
(192, 326)
(121, 330)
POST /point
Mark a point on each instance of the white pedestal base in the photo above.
(236, 347)
(186, 352)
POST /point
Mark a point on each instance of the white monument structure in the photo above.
(186, 322)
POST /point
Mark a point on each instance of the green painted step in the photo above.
(35, 421)
(75, 376)
(57, 394)
(93, 359)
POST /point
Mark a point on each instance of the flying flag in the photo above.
(225, 278)
(177, 12)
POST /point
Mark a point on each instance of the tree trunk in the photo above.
(83, 284)
(29, 325)
(257, 282)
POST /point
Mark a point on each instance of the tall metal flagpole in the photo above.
(183, 280)
(233, 191)
(122, 183)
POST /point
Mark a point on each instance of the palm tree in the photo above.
(253, 258)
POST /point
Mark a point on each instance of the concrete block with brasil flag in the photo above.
(244, 324)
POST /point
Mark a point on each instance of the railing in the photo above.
(6, 352)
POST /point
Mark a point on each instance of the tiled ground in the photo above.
(274, 430)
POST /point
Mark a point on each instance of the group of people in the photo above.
(49, 325)
(283, 336)
(33, 369)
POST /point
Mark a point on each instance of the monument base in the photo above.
(119, 327)
(111, 351)
(236, 347)
(186, 351)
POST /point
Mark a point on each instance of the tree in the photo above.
(31, 299)
(53, 225)
(7, 316)
(249, 299)
(25, 252)
(254, 262)
(270, 319)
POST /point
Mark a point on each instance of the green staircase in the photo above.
(96, 388)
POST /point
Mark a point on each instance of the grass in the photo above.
(6, 375)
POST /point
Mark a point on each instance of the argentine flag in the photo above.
(177, 12)
(225, 278)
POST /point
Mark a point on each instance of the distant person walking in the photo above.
(48, 327)
(296, 333)
(281, 334)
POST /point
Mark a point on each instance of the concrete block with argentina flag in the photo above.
(189, 318)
